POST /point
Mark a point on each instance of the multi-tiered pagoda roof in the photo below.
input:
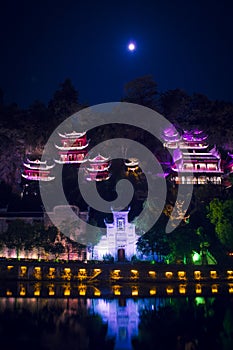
(192, 161)
(132, 164)
(97, 168)
(72, 148)
(37, 170)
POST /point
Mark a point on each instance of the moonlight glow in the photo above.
(131, 47)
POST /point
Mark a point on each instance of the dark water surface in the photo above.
(167, 322)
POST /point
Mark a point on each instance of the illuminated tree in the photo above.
(220, 214)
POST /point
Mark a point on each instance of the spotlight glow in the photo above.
(131, 46)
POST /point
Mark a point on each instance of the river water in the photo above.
(120, 323)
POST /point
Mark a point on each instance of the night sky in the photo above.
(183, 44)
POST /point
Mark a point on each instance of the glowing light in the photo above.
(22, 291)
(37, 292)
(82, 290)
(153, 291)
(230, 288)
(51, 272)
(51, 290)
(214, 288)
(134, 274)
(181, 275)
(198, 289)
(116, 290)
(67, 273)
(213, 274)
(197, 275)
(196, 257)
(37, 272)
(131, 47)
(67, 291)
(115, 274)
(182, 288)
(97, 292)
(152, 274)
(82, 274)
(134, 291)
(169, 290)
(200, 300)
(169, 274)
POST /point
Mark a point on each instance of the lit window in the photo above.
(120, 224)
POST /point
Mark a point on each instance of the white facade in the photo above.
(120, 239)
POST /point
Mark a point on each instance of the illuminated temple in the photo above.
(132, 164)
(72, 148)
(120, 239)
(193, 161)
(36, 170)
(97, 168)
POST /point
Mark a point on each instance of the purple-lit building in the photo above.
(120, 239)
(36, 170)
(193, 162)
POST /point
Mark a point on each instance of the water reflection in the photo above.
(120, 323)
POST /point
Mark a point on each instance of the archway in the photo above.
(121, 254)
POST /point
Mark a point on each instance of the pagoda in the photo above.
(192, 162)
(97, 168)
(132, 164)
(72, 148)
(36, 170)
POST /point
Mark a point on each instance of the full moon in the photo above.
(131, 47)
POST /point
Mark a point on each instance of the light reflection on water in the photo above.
(121, 323)
(117, 319)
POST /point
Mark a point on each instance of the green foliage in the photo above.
(220, 213)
